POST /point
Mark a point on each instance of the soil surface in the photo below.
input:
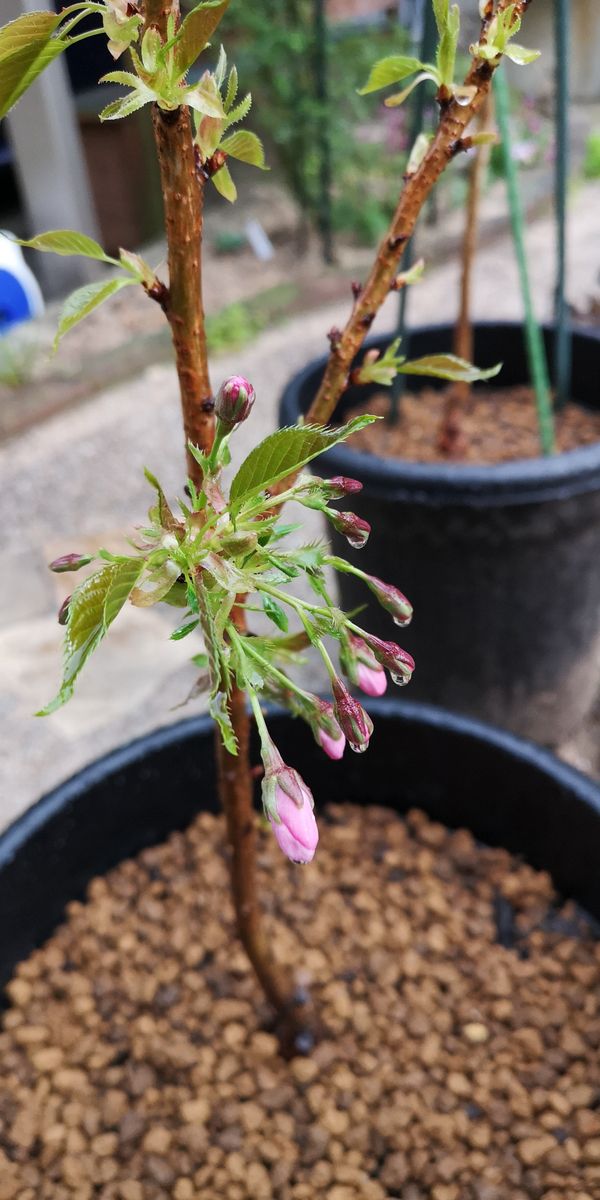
(460, 997)
(498, 425)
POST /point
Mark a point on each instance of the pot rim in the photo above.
(522, 481)
(520, 749)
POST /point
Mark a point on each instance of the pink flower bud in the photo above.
(398, 662)
(361, 666)
(327, 730)
(354, 722)
(391, 599)
(352, 527)
(288, 804)
(341, 485)
(234, 400)
(69, 562)
(372, 680)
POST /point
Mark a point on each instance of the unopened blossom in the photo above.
(362, 668)
(327, 730)
(351, 527)
(397, 661)
(69, 562)
(289, 806)
(354, 722)
(234, 401)
(390, 598)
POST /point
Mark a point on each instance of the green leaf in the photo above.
(520, 55)
(446, 52)
(126, 575)
(177, 597)
(66, 242)
(163, 513)
(183, 630)
(24, 56)
(137, 266)
(232, 88)
(275, 613)
(85, 300)
(217, 707)
(200, 660)
(25, 31)
(440, 8)
(286, 451)
(92, 608)
(127, 105)
(241, 110)
(204, 98)
(448, 366)
(155, 586)
(245, 146)
(388, 70)
(194, 33)
(400, 97)
(224, 184)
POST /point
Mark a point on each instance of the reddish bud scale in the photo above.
(341, 485)
(63, 612)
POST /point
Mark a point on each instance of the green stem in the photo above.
(536, 353)
(246, 647)
(562, 345)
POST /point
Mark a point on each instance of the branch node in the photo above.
(394, 243)
(335, 336)
(367, 320)
(158, 291)
(356, 288)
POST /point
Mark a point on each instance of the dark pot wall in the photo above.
(500, 562)
(506, 791)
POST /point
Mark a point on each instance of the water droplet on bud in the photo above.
(400, 680)
(402, 621)
(359, 748)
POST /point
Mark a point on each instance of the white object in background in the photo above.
(20, 295)
(260, 242)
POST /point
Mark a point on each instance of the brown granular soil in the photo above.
(498, 426)
(461, 1002)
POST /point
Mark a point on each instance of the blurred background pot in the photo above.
(501, 562)
(459, 771)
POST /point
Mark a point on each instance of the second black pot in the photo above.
(501, 562)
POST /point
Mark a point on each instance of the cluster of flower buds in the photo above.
(289, 806)
(361, 667)
(234, 401)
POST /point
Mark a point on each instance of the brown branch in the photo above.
(183, 194)
(183, 191)
(453, 122)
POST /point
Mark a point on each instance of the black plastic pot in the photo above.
(501, 563)
(506, 791)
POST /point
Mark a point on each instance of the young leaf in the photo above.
(217, 707)
(224, 184)
(19, 68)
(92, 608)
(440, 8)
(287, 451)
(519, 55)
(232, 88)
(241, 110)
(177, 596)
(275, 613)
(448, 366)
(446, 52)
(245, 146)
(183, 630)
(155, 586)
(66, 242)
(125, 576)
(27, 30)
(126, 105)
(137, 266)
(194, 33)
(400, 97)
(200, 660)
(388, 70)
(85, 300)
(204, 98)
(164, 514)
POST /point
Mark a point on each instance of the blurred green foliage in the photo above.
(273, 44)
(591, 162)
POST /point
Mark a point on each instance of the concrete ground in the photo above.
(75, 483)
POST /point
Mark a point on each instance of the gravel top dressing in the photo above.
(460, 999)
